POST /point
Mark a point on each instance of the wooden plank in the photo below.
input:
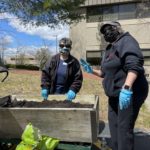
(66, 124)
(96, 107)
(72, 147)
(95, 120)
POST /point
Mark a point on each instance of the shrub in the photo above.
(26, 66)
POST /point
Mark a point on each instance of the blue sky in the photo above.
(29, 37)
(20, 37)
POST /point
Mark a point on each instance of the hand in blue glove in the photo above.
(86, 67)
(44, 93)
(71, 95)
(125, 98)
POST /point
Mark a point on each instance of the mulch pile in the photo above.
(8, 102)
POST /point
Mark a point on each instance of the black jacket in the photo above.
(121, 57)
(74, 76)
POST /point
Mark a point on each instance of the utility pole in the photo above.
(56, 41)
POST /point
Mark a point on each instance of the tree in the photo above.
(42, 56)
(21, 59)
(43, 12)
(4, 42)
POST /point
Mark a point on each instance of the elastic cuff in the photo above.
(73, 90)
(134, 71)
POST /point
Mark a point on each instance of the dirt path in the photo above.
(22, 71)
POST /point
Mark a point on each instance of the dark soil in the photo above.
(7, 146)
(7, 102)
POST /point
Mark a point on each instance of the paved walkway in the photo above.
(90, 76)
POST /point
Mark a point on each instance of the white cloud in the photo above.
(7, 39)
(44, 32)
(6, 16)
(28, 50)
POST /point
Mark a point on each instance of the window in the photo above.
(94, 57)
(110, 13)
(143, 10)
(31, 58)
(146, 53)
(127, 11)
(94, 14)
(13, 58)
(118, 11)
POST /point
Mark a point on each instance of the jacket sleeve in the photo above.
(78, 78)
(131, 55)
(45, 76)
(101, 66)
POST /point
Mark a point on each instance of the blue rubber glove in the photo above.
(86, 67)
(125, 98)
(44, 93)
(71, 95)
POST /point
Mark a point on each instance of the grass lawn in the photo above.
(27, 84)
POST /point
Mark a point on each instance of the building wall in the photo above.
(27, 61)
(85, 36)
(77, 34)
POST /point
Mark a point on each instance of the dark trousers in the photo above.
(121, 123)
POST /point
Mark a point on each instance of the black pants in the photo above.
(121, 123)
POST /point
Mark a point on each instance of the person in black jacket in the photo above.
(62, 73)
(124, 83)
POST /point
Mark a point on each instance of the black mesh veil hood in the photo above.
(113, 23)
(66, 41)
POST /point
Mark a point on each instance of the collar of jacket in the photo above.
(70, 59)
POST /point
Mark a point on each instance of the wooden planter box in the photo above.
(66, 124)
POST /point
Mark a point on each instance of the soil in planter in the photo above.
(7, 102)
(7, 146)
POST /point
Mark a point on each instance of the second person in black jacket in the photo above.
(124, 83)
(62, 73)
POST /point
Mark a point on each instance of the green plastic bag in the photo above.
(33, 140)
(31, 135)
(48, 143)
(23, 146)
